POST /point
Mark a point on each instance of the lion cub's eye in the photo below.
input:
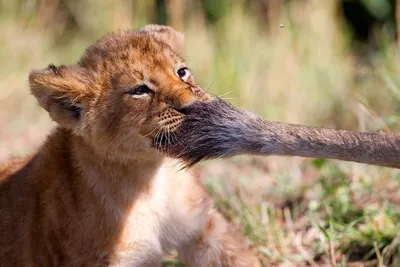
(140, 90)
(183, 73)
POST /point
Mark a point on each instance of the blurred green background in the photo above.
(331, 63)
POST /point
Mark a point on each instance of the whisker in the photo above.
(177, 131)
(151, 131)
(162, 138)
(167, 136)
(173, 137)
(157, 136)
(170, 136)
(209, 87)
(228, 98)
(227, 93)
(156, 139)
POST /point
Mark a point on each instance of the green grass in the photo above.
(294, 212)
(331, 212)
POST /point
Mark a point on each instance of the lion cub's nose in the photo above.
(181, 101)
(182, 110)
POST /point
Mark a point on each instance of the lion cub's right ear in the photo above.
(62, 92)
(166, 35)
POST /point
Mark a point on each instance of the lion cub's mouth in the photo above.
(169, 123)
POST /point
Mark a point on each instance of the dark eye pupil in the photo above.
(181, 72)
(142, 89)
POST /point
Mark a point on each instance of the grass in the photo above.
(310, 212)
(293, 211)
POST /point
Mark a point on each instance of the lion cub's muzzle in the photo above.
(169, 122)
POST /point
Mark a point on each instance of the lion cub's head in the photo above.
(122, 88)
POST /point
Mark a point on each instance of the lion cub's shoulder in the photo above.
(11, 166)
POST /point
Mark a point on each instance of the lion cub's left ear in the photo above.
(167, 35)
(61, 91)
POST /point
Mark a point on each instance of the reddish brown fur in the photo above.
(96, 193)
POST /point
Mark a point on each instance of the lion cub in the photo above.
(97, 193)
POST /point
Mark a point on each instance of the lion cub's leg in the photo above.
(218, 245)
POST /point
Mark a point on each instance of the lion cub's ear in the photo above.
(61, 91)
(167, 35)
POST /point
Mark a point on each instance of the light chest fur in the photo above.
(168, 215)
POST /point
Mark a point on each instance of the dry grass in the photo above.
(295, 212)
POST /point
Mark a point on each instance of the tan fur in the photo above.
(96, 193)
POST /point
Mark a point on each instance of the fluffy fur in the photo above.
(217, 129)
(97, 193)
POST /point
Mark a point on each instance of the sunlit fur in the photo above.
(97, 193)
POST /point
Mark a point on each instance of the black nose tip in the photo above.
(183, 110)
